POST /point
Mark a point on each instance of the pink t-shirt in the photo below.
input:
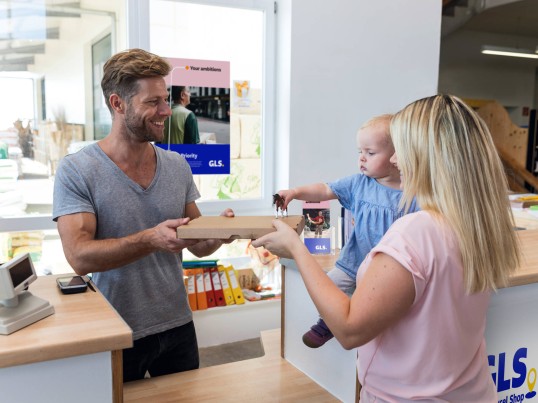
(437, 351)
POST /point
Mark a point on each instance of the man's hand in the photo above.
(165, 238)
(208, 246)
(227, 213)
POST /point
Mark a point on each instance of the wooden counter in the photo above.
(267, 378)
(83, 325)
(528, 272)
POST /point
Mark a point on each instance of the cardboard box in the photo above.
(243, 227)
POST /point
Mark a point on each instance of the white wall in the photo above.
(339, 64)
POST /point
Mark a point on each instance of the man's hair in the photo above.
(450, 164)
(123, 70)
(176, 91)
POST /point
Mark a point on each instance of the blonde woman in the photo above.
(418, 314)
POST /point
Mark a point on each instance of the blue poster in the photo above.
(203, 159)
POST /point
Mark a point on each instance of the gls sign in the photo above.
(319, 246)
(216, 163)
(502, 365)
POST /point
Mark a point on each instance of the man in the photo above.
(182, 127)
(118, 203)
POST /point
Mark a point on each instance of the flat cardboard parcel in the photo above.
(242, 227)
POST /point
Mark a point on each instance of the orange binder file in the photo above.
(226, 289)
(190, 285)
(234, 285)
(217, 287)
(201, 300)
(209, 293)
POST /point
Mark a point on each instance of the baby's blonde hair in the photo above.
(378, 121)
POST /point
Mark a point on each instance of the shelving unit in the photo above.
(228, 324)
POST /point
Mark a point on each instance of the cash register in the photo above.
(18, 306)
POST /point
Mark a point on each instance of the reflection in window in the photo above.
(102, 120)
(44, 119)
(194, 31)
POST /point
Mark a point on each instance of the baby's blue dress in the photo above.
(374, 208)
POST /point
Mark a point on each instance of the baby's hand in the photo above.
(287, 195)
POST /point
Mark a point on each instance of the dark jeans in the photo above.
(174, 350)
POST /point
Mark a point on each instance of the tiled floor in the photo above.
(238, 351)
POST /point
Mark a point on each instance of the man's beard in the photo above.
(138, 129)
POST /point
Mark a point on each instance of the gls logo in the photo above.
(216, 164)
(321, 247)
(521, 374)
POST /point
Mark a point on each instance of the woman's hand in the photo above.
(283, 242)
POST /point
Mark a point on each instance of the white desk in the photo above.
(73, 355)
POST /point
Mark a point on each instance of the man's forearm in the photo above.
(101, 255)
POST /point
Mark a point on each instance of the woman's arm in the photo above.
(384, 295)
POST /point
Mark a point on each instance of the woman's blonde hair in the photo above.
(449, 163)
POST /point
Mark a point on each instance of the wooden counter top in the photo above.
(268, 378)
(526, 274)
(83, 323)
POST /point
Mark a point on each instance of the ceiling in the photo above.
(517, 18)
(511, 25)
(26, 26)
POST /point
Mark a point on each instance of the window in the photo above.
(241, 33)
(65, 109)
(102, 120)
(44, 39)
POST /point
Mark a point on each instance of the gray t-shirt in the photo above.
(149, 294)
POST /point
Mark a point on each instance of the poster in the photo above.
(317, 230)
(199, 98)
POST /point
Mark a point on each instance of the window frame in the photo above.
(139, 37)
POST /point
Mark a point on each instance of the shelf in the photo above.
(228, 324)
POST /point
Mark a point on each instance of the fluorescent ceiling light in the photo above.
(513, 52)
